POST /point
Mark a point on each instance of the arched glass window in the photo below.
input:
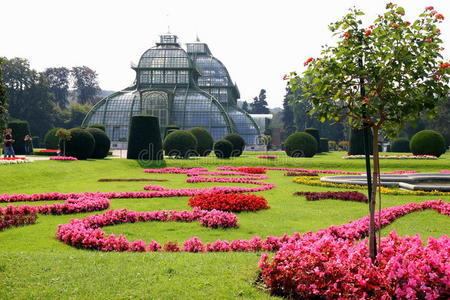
(156, 103)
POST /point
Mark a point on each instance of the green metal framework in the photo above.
(166, 86)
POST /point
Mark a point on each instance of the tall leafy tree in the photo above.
(29, 96)
(58, 81)
(86, 84)
(3, 103)
(378, 77)
(77, 114)
(245, 106)
(288, 114)
(259, 104)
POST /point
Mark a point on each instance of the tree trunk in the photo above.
(376, 172)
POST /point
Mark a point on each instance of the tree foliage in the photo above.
(58, 82)
(3, 103)
(86, 83)
(259, 104)
(378, 77)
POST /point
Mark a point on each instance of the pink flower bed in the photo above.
(267, 156)
(230, 168)
(348, 196)
(13, 216)
(87, 232)
(67, 158)
(252, 170)
(330, 264)
(74, 203)
(393, 157)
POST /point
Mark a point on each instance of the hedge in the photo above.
(238, 143)
(301, 144)
(427, 142)
(356, 144)
(102, 142)
(205, 141)
(51, 141)
(315, 133)
(400, 145)
(81, 144)
(144, 140)
(180, 143)
(223, 148)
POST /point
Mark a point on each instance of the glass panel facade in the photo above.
(187, 90)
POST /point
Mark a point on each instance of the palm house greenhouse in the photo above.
(185, 88)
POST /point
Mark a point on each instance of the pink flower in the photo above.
(429, 40)
(429, 8)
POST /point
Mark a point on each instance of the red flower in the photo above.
(394, 25)
(439, 16)
(371, 26)
(407, 23)
(308, 61)
(346, 35)
(368, 32)
(433, 12)
(438, 30)
(429, 8)
(366, 100)
(445, 65)
(285, 77)
(429, 40)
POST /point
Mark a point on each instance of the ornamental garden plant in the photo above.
(377, 77)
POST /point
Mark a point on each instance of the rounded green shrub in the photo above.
(99, 126)
(356, 145)
(323, 145)
(144, 139)
(51, 141)
(315, 133)
(223, 148)
(301, 144)
(427, 142)
(400, 145)
(102, 143)
(180, 143)
(81, 144)
(19, 130)
(170, 128)
(205, 141)
(238, 143)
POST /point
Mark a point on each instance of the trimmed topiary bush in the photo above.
(323, 145)
(238, 143)
(169, 129)
(180, 143)
(81, 144)
(144, 139)
(223, 148)
(400, 145)
(315, 133)
(205, 141)
(301, 144)
(99, 126)
(102, 143)
(356, 145)
(427, 142)
(51, 141)
(20, 129)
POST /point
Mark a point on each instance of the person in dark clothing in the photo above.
(9, 150)
(27, 140)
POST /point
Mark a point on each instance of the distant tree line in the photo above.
(56, 97)
(294, 117)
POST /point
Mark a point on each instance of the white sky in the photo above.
(258, 41)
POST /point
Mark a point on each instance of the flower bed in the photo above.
(74, 203)
(252, 170)
(267, 156)
(46, 152)
(14, 160)
(309, 174)
(393, 157)
(64, 158)
(348, 196)
(229, 202)
(384, 190)
(87, 232)
(324, 267)
(12, 216)
(131, 179)
(230, 168)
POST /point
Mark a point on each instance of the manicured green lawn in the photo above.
(34, 265)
